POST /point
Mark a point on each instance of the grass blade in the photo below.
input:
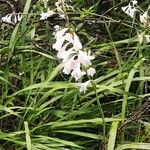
(27, 132)
(112, 135)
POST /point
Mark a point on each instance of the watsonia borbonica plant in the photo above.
(50, 109)
(76, 61)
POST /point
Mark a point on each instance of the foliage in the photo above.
(42, 109)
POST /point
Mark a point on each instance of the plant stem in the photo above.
(99, 107)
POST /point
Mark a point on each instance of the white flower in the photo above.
(60, 38)
(44, 16)
(84, 59)
(76, 44)
(134, 2)
(7, 18)
(144, 18)
(69, 66)
(57, 28)
(70, 52)
(62, 16)
(64, 54)
(83, 86)
(19, 17)
(77, 73)
(129, 10)
(60, 33)
(69, 37)
(58, 44)
(91, 71)
(12, 18)
(59, 6)
(143, 38)
(62, 51)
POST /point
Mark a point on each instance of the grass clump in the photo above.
(42, 108)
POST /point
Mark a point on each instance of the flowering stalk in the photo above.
(130, 10)
(100, 109)
(99, 104)
(75, 60)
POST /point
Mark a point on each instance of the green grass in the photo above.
(42, 109)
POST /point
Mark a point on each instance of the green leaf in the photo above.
(65, 142)
(84, 134)
(27, 132)
(112, 135)
(140, 146)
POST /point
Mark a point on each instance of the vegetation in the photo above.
(42, 108)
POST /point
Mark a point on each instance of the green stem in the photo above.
(99, 107)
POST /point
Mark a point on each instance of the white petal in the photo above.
(58, 44)
(144, 17)
(77, 44)
(57, 27)
(62, 16)
(19, 17)
(15, 19)
(77, 73)
(69, 37)
(84, 59)
(46, 15)
(129, 10)
(91, 71)
(132, 12)
(59, 34)
(69, 66)
(65, 54)
(7, 18)
(134, 2)
(83, 86)
(124, 8)
(61, 51)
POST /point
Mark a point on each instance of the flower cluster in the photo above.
(130, 9)
(76, 61)
(45, 15)
(143, 18)
(49, 13)
(12, 18)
